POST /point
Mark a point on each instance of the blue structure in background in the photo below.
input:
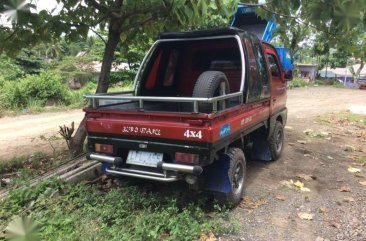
(246, 19)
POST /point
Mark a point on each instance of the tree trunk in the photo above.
(77, 141)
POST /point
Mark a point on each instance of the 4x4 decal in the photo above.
(193, 134)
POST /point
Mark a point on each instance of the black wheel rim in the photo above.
(238, 177)
(279, 140)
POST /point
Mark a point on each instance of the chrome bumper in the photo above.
(150, 175)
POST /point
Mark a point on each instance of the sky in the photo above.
(48, 5)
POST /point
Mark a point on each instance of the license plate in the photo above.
(144, 158)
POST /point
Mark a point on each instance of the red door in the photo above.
(277, 80)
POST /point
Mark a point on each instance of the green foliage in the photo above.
(298, 82)
(9, 70)
(47, 85)
(79, 68)
(128, 213)
(31, 61)
(40, 88)
(122, 76)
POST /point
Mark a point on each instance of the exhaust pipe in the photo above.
(117, 161)
(195, 170)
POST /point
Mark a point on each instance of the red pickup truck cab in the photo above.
(203, 101)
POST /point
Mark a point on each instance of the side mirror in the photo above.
(288, 75)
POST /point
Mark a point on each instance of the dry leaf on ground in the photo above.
(334, 224)
(301, 141)
(348, 199)
(353, 169)
(252, 204)
(344, 189)
(208, 237)
(306, 177)
(363, 183)
(323, 210)
(306, 216)
(281, 197)
(299, 185)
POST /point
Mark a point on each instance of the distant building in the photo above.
(343, 75)
(307, 71)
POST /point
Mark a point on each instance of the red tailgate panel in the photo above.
(179, 128)
(164, 130)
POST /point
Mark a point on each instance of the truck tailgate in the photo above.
(145, 124)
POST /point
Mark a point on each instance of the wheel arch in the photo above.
(278, 116)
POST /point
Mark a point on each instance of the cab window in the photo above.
(258, 82)
(274, 67)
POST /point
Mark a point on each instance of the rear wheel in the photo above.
(237, 174)
(276, 141)
(211, 84)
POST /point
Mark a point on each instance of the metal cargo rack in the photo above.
(96, 100)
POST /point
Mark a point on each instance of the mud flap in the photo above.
(216, 176)
(260, 148)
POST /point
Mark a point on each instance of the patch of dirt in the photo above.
(20, 135)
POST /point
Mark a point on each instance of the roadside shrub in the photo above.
(298, 82)
(122, 76)
(45, 86)
(33, 89)
(75, 98)
(9, 69)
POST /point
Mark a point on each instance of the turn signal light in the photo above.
(103, 148)
(186, 157)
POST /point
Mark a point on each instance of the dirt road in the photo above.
(20, 135)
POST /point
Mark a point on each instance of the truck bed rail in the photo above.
(97, 100)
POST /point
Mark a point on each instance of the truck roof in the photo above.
(202, 33)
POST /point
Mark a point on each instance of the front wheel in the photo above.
(236, 174)
(276, 141)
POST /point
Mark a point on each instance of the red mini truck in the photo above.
(202, 102)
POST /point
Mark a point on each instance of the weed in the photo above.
(74, 212)
(298, 82)
(362, 160)
(337, 84)
(318, 134)
(343, 118)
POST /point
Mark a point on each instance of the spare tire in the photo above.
(211, 84)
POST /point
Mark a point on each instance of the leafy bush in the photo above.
(47, 85)
(75, 98)
(298, 82)
(122, 76)
(33, 89)
(9, 70)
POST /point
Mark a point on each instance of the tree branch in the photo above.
(99, 35)
(141, 23)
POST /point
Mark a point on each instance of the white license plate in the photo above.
(144, 158)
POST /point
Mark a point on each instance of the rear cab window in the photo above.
(258, 79)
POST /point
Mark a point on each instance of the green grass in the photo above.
(23, 168)
(73, 100)
(342, 118)
(362, 160)
(81, 212)
(298, 82)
